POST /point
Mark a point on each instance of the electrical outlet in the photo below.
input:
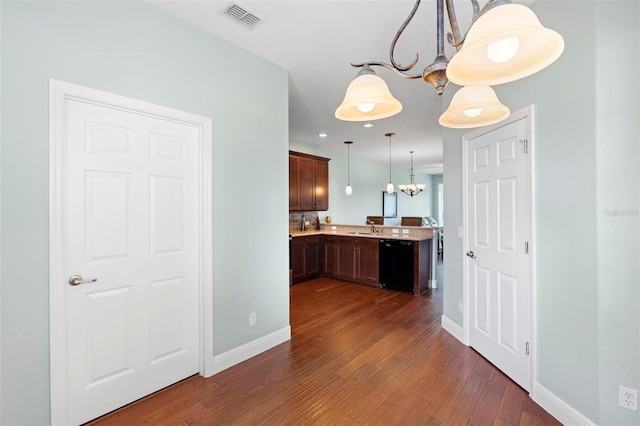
(628, 398)
(252, 318)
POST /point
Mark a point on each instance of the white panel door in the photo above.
(498, 266)
(130, 222)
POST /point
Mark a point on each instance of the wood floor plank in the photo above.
(510, 408)
(488, 404)
(358, 355)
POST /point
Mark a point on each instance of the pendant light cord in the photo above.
(348, 165)
(389, 135)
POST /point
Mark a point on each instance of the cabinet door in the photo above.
(330, 263)
(346, 259)
(294, 183)
(306, 172)
(298, 261)
(312, 260)
(321, 185)
(367, 261)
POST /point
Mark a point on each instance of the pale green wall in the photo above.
(586, 317)
(618, 204)
(368, 180)
(134, 49)
(436, 179)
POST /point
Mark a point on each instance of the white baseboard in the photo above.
(563, 412)
(454, 329)
(248, 350)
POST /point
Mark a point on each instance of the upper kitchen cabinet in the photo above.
(308, 182)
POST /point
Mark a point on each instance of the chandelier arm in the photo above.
(397, 36)
(455, 38)
(389, 67)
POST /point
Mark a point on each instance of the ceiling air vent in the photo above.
(242, 16)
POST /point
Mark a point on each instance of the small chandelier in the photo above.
(505, 42)
(413, 188)
(348, 190)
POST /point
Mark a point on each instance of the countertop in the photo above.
(411, 233)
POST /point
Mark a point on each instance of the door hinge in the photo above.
(527, 348)
(526, 247)
(525, 145)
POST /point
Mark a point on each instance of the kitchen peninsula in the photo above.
(361, 254)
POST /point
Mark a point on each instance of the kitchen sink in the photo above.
(361, 233)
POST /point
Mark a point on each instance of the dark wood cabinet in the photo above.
(308, 182)
(329, 256)
(346, 267)
(367, 261)
(305, 258)
(351, 258)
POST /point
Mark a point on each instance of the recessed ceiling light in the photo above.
(368, 125)
(322, 135)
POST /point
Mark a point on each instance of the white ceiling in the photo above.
(316, 40)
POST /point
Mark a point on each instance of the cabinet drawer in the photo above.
(302, 240)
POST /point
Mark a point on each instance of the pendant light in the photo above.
(389, 185)
(348, 189)
(474, 106)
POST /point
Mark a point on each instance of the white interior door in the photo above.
(130, 214)
(498, 265)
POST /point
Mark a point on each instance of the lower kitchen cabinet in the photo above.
(367, 261)
(356, 259)
(329, 256)
(305, 257)
(346, 250)
(351, 258)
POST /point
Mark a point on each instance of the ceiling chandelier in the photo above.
(413, 188)
(505, 42)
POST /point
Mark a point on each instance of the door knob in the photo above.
(77, 280)
(471, 254)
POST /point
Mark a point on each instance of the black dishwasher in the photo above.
(396, 264)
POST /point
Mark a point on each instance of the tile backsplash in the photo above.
(295, 220)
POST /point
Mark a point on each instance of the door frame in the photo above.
(526, 113)
(59, 92)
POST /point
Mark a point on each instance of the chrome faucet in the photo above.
(373, 226)
(303, 226)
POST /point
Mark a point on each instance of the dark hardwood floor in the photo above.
(358, 356)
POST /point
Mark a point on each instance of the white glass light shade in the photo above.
(473, 98)
(348, 190)
(537, 47)
(402, 187)
(503, 50)
(472, 112)
(421, 186)
(365, 90)
(390, 188)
